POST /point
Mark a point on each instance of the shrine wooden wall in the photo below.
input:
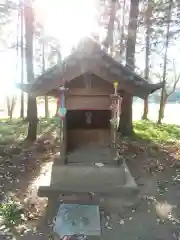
(89, 92)
(88, 95)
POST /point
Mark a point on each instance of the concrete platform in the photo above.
(85, 179)
(83, 182)
(102, 181)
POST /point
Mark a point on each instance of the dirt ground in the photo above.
(156, 210)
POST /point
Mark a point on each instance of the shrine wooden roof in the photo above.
(90, 56)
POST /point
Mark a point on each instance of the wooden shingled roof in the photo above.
(90, 56)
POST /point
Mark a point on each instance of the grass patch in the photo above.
(44, 123)
(15, 130)
(12, 131)
(11, 213)
(150, 131)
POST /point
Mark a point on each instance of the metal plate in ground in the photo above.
(76, 219)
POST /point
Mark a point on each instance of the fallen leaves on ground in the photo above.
(17, 167)
(152, 157)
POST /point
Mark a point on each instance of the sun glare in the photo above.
(68, 21)
(8, 72)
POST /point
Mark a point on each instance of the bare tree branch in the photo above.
(175, 79)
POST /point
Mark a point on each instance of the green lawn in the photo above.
(47, 122)
(150, 131)
(15, 130)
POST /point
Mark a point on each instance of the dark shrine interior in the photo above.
(84, 119)
(86, 127)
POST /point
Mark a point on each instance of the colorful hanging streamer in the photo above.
(61, 102)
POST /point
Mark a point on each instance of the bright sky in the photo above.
(8, 69)
(68, 20)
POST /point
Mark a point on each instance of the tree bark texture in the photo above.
(109, 38)
(22, 59)
(126, 126)
(146, 108)
(32, 105)
(147, 53)
(46, 105)
(163, 93)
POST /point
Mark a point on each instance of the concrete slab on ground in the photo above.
(80, 179)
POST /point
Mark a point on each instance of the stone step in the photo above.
(79, 180)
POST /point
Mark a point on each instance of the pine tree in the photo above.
(148, 17)
(126, 127)
(32, 105)
(163, 94)
(22, 55)
(110, 28)
(43, 68)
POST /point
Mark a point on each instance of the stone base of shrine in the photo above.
(90, 183)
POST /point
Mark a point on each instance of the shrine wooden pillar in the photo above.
(63, 128)
(65, 136)
(115, 114)
(63, 140)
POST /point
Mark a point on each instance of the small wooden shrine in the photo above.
(92, 81)
(88, 84)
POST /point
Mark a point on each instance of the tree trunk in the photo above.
(146, 108)
(32, 105)
(57, 108)
(162, 109)
(32, 118)
(10, 106)
(32, 130)
(22, 60)
(109, 38)
(126, 126)
(122, 29)
(10, 115)
(163, 93)
(147, 54)
(22, 105)
(46, 105)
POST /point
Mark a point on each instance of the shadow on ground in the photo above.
(152, 156)
(153, 161)
(23, 172)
